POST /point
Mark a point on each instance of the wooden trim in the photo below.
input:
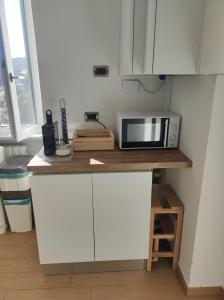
(204, 291)
(198, 291)
(181, 279)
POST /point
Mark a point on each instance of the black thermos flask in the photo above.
(49, 135)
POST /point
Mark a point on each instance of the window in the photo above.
(20, 97)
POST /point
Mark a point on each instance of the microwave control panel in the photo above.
(173, 133)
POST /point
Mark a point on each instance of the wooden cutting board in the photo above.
(93, 139)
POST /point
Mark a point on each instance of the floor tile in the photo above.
(2, 294)
(152, 291)
(16, 239)
(32, 281)
(18, 251)
(17, 265)
(122, 278)
(18, 245)
(50, 294)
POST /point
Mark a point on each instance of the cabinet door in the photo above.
(121, 215)
(212, 48)
(149, 36)
(137, 36)
(178, 36)
(126, 39)
(64, 217)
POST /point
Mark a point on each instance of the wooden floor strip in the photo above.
(13, 281)
(20, 265)
(50, 294)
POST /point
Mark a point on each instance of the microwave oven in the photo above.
(148, 130)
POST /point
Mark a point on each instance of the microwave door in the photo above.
(143, 133)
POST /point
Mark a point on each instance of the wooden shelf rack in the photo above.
(165, 226)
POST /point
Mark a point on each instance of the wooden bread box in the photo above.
(93, 139)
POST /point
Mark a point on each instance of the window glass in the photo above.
(20, 60)
(5, 131)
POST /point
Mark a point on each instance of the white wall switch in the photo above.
(130, 86)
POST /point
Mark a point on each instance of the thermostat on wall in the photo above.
(130, 86)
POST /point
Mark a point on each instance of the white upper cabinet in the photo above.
(177, 36)
(149, 36)
(212, 48)
(137, 36)
(172, 37)
(126, 43)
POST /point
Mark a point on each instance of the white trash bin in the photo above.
(3, 225)
(19, 214)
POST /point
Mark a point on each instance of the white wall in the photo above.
(72, 36)
(208, 260)
(192, 98)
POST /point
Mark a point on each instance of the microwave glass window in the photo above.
(149, 131)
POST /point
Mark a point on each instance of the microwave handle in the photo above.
(166, 133)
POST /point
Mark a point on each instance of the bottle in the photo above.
(49, 135)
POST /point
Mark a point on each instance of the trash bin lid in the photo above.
(16, 164)
(17, 201)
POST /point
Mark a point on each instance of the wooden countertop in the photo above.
(116, 160)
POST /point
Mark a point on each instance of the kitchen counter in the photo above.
(103, 161)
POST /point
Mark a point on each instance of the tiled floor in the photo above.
(21, 278)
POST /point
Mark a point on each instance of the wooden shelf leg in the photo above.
(178, 231)
(156, 248)
(149, 260)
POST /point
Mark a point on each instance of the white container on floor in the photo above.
(3, 225)
(19, 214)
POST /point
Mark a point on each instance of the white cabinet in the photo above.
(137, 36)
(177, 36)
(172, 37)
(126, 42)
(212, 48)
(64, 219)
(87, 217)
(121, 215)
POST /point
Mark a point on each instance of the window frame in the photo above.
(19, 133)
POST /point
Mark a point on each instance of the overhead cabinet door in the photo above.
(143, 42)
(64, 217)
(178, 36)
(212, 50)
(121, 215)
(137, 36)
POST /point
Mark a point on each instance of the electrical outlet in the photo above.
(101, 71)
(91, 116)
